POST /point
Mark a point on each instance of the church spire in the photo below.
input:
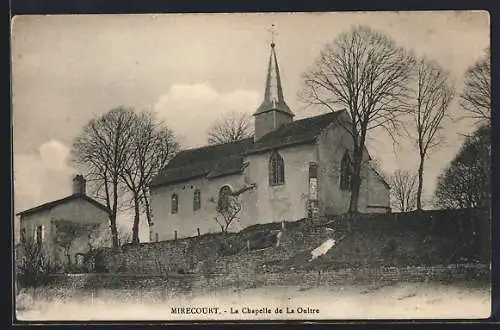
(273, 111)
(273, 93)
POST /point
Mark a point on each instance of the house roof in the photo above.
(50, 205)
(224, 159)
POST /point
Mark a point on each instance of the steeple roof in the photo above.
(273, 94)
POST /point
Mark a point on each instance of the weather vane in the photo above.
(272, 30)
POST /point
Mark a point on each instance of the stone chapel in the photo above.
(287, 167)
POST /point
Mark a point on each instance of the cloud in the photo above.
(42, 176)
(190, 110)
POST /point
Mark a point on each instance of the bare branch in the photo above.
(365, 72)
(232, 127)
(151, 146)
(475, 98)
(404, 190)
(101, 150)
(431, 98)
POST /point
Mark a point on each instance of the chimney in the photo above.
(79, 185)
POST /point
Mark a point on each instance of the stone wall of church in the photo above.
(187, 221)
(331, 146)
(284, 202)
(378, 194)
(263, 204)
(267, 203)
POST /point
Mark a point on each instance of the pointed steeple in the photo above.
(273, 93)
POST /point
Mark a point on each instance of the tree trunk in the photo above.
(114, 230)
(148, 213)
(356, 177)
(420, 183)
(112, 218)
(135, 227)
(356, 185)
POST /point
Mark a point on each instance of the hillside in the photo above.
(367, 240)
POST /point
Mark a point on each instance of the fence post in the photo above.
(175, 234)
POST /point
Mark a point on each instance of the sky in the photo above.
(192, 69)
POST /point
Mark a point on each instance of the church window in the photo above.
(276, 169)
(345, 172)
(196, 200)
(175, 204)
(223, 201)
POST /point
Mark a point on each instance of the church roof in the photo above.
(273, 93)
(209, 161)
(224, 159)
(297, 132)
(50, 205)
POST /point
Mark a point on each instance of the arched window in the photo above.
(175, 204)
(196, 200)
(276, 169)
(345, 172)
(223, 201)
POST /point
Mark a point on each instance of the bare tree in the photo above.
(365, 72)
(404, 190)
(433, 95)
(33, 262)
(228, 211)
(232, 127)
(476, 95)
(152, 146)
(229, 205)
(101, 150)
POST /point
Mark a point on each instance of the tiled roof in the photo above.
(50, 205)
(297, 132)
(224, 159)
(210, 161)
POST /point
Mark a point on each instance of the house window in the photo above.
(345, 172)
(39, 235)
(196, 200)
(224, 194)
(23, 234)
(175, 204)
(276, 170)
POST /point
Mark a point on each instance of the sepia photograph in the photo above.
(251, 166)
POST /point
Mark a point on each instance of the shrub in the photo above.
(33, 264)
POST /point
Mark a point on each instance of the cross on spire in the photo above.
(272, 31)
(273, 93)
